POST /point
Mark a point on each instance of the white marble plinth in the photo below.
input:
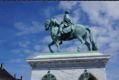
(68, 74)
(68, 65)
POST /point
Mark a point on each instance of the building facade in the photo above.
(5, 75)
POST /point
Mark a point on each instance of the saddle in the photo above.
(66, 30)
(67, 34)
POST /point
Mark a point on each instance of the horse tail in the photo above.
(92, 40)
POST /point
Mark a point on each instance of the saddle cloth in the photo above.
(66, 30)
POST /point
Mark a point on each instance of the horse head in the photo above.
(50, 23)
(47, 24)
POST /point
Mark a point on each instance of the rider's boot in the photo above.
(60, 31)
(59, 34)
(72, 28)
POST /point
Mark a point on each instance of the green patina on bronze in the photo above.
(62, 53)
(66, 31)
(49, 76)
(85, 75)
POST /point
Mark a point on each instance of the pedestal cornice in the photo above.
(57, 60)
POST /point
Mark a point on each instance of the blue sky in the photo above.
(22, 32)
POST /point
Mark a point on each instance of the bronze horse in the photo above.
(79, 32)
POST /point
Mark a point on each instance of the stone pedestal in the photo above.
(68, 66)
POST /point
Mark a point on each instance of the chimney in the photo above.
(21, 77)
(15, 76)
(2, 66)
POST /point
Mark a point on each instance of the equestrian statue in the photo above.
(66, 30)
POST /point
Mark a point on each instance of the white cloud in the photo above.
(34, 54)
(77, 42)
(48, 11)
(18, 60)
(104, 40)
(73, 46)
(46, 49)
(25, 66)
(54, 48)
(21, 55)
(12, 60)
(112, 51)
(25, 29)
(113, 33)
(37, 47)
(117, 38)
(96, 9)
(47, 39)
(95, 30)
(28, 51)
(114, 45)
(16, 51)
(69, 49)
(76, 16)
(24, 45)
(111, 9)
(66, 42)
(15, 60)
(103, 36)
(59, 18)
(67, 4)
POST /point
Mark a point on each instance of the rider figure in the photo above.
(65, 23)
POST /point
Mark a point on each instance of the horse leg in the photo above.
(60, 43)
(57, 44)
(86, 42)
(88, 45)
(50, 46)
(82, 42)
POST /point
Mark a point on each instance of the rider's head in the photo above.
(67, 12)
(67, 16)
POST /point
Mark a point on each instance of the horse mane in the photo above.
(55, 22)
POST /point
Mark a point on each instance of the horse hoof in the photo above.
(52, 51)
(78, 50)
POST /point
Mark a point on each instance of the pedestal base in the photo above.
(68, 74)
(68, 66)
